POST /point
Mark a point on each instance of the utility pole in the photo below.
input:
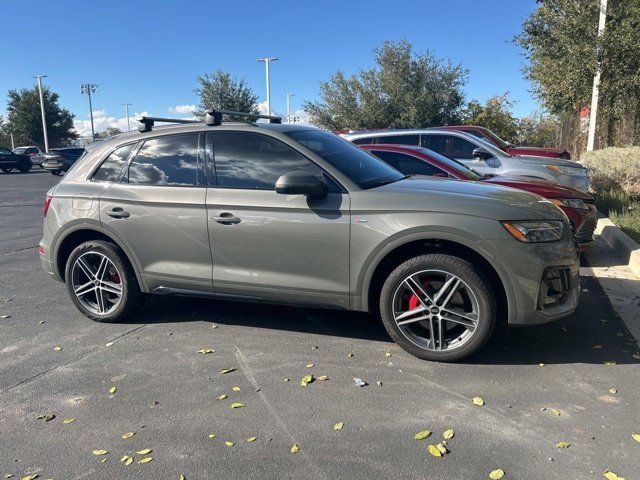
(44, 120)
(266, 61)
(289, 95)
(90, 88)
(126, 112)
(595, 94)
(13, 145)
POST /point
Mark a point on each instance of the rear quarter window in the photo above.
(113, 164)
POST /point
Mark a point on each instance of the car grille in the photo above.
(585, 232)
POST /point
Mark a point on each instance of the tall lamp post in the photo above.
(44, 120)
(267, 61)
(126, 112)
(88, 89)
(289, 95)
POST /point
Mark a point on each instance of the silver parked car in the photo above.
(480, 155)
(296, 215)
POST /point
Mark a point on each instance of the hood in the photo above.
(540, 187)
(535, 150)
(481, 199)
(549, 161)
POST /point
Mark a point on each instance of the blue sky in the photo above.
(150, 52)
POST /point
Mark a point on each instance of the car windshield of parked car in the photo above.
(362, 168)
(500, 141)
(487, 145)
(461, 169)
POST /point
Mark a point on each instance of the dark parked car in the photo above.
(577, 205)
(10, 160)
(60, 159)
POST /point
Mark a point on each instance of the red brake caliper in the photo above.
(414, 301)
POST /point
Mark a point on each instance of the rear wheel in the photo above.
(6, 170)
(55, 172)
(24, 167)
(101, 282)
(438, 307)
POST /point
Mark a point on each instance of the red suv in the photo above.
(578, 206)
(491, 137)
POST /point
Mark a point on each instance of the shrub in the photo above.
(614, 168)
(609, 201)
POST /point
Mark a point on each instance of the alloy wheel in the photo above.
(96, 283)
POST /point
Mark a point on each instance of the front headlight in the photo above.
(571, 203)
(535, 232)
(573, 171)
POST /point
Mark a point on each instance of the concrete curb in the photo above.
(619, 242)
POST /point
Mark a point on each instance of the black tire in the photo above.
(55, 172)
(474, 280)
(6, 170)
(24, 167)
(131, 298)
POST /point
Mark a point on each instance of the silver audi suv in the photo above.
(480, 155)
(296, 215)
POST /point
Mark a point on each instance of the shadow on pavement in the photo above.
(593, 334)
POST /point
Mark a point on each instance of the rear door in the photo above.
(280, 247)
(157, 208)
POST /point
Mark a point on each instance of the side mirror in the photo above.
(301, 183)
(481, 154)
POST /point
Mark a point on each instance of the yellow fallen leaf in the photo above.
(204, 351)
(146, 460)
(47, 417)
(295, 448)
(610, 363)
(306, 380)
(421, 435)
(227, 370)
(433, 450)
(57, 349)
(100, 452)
(496, 474)
(442, 448)
(69, 420)
(229, 444)
(128, 434)
(338, 426)
(235, 389)
(310, 365)
(541, 364)
(379, 384)
(322, 378)
(350, 355)
(448, 434)
(556, 412)
(212, 435)
(144, 451)
(103, 460)
(109, 344)
(636, 436)
(125, 459)
(563, 445)
(30, 477)
(182, 477)
(236, 405)
(214, 326)
(251, 439)
(222, 397)
(113, 390)
(609, 475)
(613, 391)
(477, 401)
(387, 354)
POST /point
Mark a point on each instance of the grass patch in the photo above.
(622, 210)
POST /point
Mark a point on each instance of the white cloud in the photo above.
(182, 109)
(102, 120)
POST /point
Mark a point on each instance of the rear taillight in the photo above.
(47, 202)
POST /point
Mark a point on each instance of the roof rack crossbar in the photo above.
(214, 117)
(145, 124)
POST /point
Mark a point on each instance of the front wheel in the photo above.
(101, 282)
(24, 167)
(438, 307)
(6, 170)
(55, 172)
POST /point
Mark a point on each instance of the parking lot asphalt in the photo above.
(540, 385)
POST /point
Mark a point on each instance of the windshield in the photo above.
(362, 168)
(498, 140)
(461, 169)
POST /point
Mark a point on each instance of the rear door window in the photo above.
(407, 164)
(449, 146)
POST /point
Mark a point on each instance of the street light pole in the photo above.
(44, 120)
(90, 88)
(595, 93)
(126, 112)
(267, 61)
(289, 95)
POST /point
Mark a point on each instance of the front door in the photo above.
(279, 247)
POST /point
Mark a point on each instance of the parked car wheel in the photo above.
(24, 167)
(6, 170)
(55, 172)
(438, 307)
(101, 282)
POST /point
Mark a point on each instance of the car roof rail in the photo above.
(214, 117)
(145, 124)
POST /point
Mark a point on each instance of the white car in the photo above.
(36, 155)
(480, 155)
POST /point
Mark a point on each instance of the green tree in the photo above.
(109, 132)
(5, 137)
(26, 121)
(223, 92)
(404, 89)
(495, 115)
(538, 130)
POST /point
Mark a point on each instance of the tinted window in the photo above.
(20, 150)
(407, 164)
(363, 141)
(5, 150)
(254, 161)
(170, 160)
(31, 151)
(112, 166)
(449, 145)
(362, 168)
(399, 139)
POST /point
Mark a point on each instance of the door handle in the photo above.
(118, 212)
(227, 218)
